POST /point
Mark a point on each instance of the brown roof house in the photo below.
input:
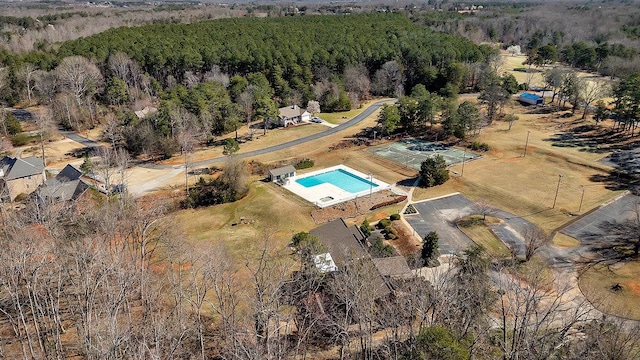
(292, 114)
(20, 176)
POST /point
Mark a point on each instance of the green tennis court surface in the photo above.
(412, 152)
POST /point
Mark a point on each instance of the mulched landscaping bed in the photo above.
(353, 208)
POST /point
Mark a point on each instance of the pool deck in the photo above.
(326, 194)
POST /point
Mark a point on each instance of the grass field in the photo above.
(526, 186)
(478, 230)
(272, 211)
(596, 283)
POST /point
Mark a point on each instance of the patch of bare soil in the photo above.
(405, 243)
(354, 208)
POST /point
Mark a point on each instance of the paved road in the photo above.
(357, 119)
(80, 139)
(363, 115)
(440, 215)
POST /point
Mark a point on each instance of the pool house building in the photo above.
(281, 174)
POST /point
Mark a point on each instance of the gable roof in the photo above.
(56, 190)
(342, 242)
(290, 111)
(69, 173)
(282, 170)
(392, 266)
(15, 168)
(345, 244)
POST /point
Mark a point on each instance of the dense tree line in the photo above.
(549, 32)
(213, 77)
(299, 46)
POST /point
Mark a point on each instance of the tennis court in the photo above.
(412, 152)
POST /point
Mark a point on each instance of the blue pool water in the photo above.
(340, 178)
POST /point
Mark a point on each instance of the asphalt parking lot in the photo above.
(589, 227)
(440, 215)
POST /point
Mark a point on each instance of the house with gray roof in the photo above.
(68, 185)
(346, 245)
(291, 115)
(282, 173)
(20, 176)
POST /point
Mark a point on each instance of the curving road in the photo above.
(357, 119)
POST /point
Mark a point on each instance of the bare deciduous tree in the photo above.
(534, 240)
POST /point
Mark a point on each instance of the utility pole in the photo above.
(526, 144)
(557, 189)
(464, 156)
(370, 184)
(581, 198)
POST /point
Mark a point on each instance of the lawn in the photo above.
(479, 231)
(526, 185)
(598, 284)
(344, 116)
(269, 211)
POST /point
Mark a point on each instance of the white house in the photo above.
(292, 115)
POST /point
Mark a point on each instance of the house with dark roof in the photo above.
(394, 267)
(345, 245)
(68, 185)
(292, 114)
(20, 176)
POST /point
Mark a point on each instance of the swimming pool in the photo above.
(340, 178)
(333, 185)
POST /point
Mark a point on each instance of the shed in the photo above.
(281, 173)
(531, 99)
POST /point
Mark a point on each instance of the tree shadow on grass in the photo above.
(617, 241)
(594, 139)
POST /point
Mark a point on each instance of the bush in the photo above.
(390, 202)
(304, 164)
(478, 146)
(379, 249)
(212, 192)
(394, 217)
(365, 228)
(12, 124)
(384, 223)
(20, 139)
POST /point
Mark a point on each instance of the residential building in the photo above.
(20, 176)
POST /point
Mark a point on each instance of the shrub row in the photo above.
(390, 202)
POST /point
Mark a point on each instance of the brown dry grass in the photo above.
(526, 186)
(480, 232)
(596, 285)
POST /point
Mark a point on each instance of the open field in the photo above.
(536, 76)
(526, 185)
(598, 285)
(271, 210)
